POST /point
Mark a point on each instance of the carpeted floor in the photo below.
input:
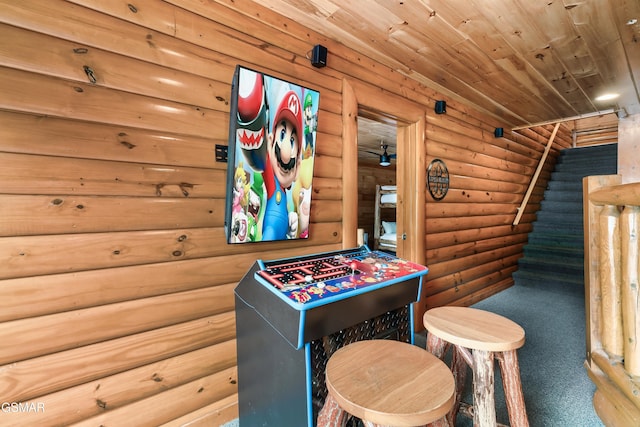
(557, 390)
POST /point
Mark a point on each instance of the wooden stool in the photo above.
(478, 336)
(386, 383)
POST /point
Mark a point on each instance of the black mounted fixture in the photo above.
(441, 107)
(385, 160)
(385, 157)
(222, 152)
(498, 133)
(319, 56)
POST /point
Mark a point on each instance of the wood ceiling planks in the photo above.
(522, 61)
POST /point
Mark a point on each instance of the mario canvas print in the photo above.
(272, 140)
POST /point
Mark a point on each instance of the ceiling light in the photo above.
(607, 97)
(385, 160)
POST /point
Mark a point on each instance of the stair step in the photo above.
(602, 164)
(564, 196)
(556, 185)
(590, 152)
(551, 210)
(561, 229)
(579, 156)
(577, 176)
(545, 278)
(559, 250)
(560, 217)
(553, 262)
(557, 239)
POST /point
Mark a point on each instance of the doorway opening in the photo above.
(360, 101)
(377, 166)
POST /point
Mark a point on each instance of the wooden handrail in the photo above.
(532, 185)
(623, 194)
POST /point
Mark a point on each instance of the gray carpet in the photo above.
(557, 390)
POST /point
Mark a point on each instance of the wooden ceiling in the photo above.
(524, 62)
(373, 134)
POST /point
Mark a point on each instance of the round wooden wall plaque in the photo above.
(437, 179)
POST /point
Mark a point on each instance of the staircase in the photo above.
(554, 253)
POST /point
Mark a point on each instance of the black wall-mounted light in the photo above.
(441, 107)
(319, 56)
(498, 132)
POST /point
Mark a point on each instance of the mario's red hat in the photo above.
(290, 109)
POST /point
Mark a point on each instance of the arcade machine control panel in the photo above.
(315, 280)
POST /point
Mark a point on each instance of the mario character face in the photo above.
(285, 140)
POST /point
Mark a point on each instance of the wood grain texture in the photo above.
(30, 378)
(94, 397)
(512, 385)
(116, 281)
(610, 404)
(609, 257)
(630, 270)
(623, 194)
(484, 406)
(592, 238)
(527, 62)
(616, 375)
(475, 329)
(390, 383)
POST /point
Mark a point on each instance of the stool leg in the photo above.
(484, 413)
(512, 385)
(436, 345)
(459, 370)
(442, 422)
(331, 414)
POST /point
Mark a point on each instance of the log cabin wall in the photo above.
(116, 285)
(595, 130)
(471, 243)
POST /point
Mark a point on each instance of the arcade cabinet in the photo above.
(292, 314)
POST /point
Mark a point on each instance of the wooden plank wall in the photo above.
(595, 130)
(116, 286)
(472, 246)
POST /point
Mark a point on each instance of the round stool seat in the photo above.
(473, 328)
(390, 383)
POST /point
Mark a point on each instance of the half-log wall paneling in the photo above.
(472, 246)
(116, 285)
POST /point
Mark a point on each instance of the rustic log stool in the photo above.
(478, 337)
(386, 383)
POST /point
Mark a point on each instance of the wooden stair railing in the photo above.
(612, 264)
(534, 179)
